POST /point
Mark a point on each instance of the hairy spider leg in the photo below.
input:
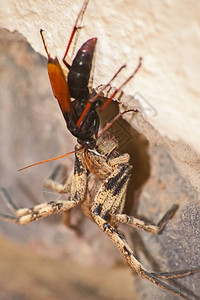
(75, 188)
(132, 260)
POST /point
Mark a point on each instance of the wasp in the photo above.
(96, 161)
(82, 124)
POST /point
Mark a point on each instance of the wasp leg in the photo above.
(137, 223)
(75, 28)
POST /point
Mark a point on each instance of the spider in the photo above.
(95, 154)
(105, 208)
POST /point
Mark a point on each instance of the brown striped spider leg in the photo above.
(75, 189)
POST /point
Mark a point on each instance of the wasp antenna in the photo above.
(122, 85)
(50, 159)
(43, 40)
